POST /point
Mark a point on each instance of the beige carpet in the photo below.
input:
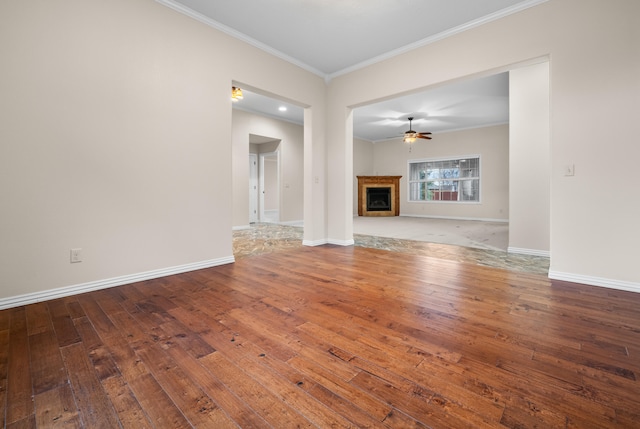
(476, 234)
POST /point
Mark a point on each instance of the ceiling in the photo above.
(333, 37)
(463, 105)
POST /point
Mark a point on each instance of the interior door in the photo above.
(269, 187)
(253, 188)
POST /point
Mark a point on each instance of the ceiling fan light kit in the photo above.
(409, 139)
(411, 136)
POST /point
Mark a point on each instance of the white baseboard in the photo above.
(292, 223)
(314, 242)
(480, 219)
(287, 223)
(240, 227)
(595, 281)
(328, 241)
(531, 252)
(341, 242)
(31, 298)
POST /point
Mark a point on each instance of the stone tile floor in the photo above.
(263, 237)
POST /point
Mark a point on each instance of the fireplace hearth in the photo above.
(379, 195)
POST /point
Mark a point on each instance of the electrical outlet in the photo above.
(76, 255)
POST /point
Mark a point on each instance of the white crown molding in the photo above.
(238, 35)
(328, 76)
(436, 37)
(530, 252)
(268, 115)
(448, 130)
(50, 294)
(595, 281)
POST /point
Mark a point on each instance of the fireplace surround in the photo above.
(378, 195)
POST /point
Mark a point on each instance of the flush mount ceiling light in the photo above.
(236, 94)
(282, 108)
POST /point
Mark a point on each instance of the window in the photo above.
(445, 179)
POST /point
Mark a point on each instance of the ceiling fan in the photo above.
(411, 136)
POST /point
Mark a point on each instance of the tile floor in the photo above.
(263, 237)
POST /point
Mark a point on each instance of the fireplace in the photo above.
(379, 195)
(378, 199)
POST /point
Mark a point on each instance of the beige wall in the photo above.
(529, 159)
(594, 67)
(259, 148)
(290, 145)
(271, 193)
(115, 137)
(362, 165)
(391, 157)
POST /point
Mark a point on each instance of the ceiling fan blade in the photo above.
(422, 136)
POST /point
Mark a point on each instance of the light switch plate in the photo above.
(76, 255)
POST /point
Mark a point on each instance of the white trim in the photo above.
(459, 179)
(329, 76)
(531, 252)
(314, 243)
(478, 219)
(436, 37)
(448, 130)
(236, 106)
(444, 201)
(31, 298)
(240, 228)
(341, 242)
(299, 223)
(595, 281)
(238, 35)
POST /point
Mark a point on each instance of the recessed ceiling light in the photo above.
(282, 108)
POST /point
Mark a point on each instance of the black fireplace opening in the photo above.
(378, 199)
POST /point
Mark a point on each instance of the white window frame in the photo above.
(440, 159)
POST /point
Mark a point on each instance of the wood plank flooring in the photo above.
(327, 337)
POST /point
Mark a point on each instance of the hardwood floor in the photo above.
(327, 337)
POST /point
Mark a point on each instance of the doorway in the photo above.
(523, 149)
(256, 130)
